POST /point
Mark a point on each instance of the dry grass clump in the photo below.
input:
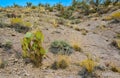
(55, 23)
(76, 46)
(16, 21)
(84, 31)
(114, 68)
(77, 28)
(61, 21)
(42, 9)
(89, 67)
(2, 63)
(88, 64)
(116, 43)
(61, 63)
(107, 18)
(116, 15)
(20, 21)
(19, 25)
(68, 23)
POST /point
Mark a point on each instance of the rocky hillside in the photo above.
(77, 45)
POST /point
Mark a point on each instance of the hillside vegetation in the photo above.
(81, 40)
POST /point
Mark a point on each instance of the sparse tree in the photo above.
(115, 1)
(15, 5)
(29, 4)
(40, 4)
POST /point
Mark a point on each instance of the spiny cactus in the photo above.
(32, 47)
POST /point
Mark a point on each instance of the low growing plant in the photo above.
(19, 25)
(32, 47)
(55, 23)
(8, 45)
(20, 21)
(62, 62)
(61, 47)
(114, 68)
(76, 46)
(16, 21)
(3, 63)
(89, 64)
(116, 43)
(116, 15)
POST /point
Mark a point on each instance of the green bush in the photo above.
(34, 7)
(67, 14)
(61, 47)
(32, 47)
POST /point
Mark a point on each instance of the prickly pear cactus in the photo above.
(32, 47)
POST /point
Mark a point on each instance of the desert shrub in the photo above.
(2, 25)
(16, 21)
(55, 23)
(19, 25)
(28, 4)
(34, 7)
(114, 67)
(77, 29)
(89, 64)
(85, 8)
(16, 5)
(42, 9)
(7, 45)
(118, 35)
(51, 9)
(66, 14)
(59, 6)
(48, 7)
(68, 23)
(107, 2)
(84, 31)
(61, 47)
(2, 63)
(32, 47)
(61, 21)
(116, 43)
(77, 21)
(12, 15)
(28, 24)
(89, 67)
(20, 21)
(76, 47)
(62, 62)
(107, 18)
(20, 28)
(116, 16)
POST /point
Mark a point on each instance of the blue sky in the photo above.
(4, 3)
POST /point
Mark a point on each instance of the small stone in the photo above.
(102, 68)
(16, 60)
(15, 69)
